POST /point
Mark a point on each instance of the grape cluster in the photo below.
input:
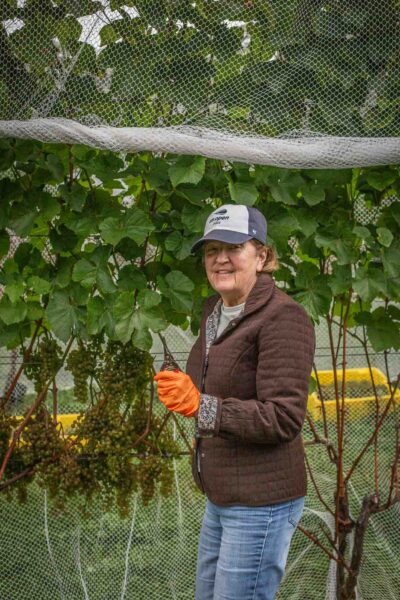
(82, 362)
(42, 442)
(115, 463)
(114, 448)
(44, 362)
(126, 371)
(154, 469)
(7, 425)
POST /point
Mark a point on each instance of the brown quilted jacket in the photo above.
(254, 381)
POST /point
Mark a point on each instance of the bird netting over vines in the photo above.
(293, 83)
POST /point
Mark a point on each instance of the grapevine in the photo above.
(117, 447)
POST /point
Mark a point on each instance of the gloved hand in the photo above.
(177, 391)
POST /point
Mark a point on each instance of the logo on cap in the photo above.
(222, 211)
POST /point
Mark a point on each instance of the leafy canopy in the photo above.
(103, 241)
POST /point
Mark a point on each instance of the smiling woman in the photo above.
(232, 269)
(271, 263)
(246, 385)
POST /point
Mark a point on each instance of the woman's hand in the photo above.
(177, 391)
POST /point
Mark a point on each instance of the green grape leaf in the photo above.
(382, 179)
(284, 195)
(314, 293)
(341, 280)
(313, 194)
(34, 311)
(385, 237)
(10, 336)
(48, 207)
(312, 387)
(362, 232)
(327, 178)
(55, 166)
(196, 194)
(63, 239)
(136, 323)
(36, 33)
(63, 315)
(187, 169)
(90, 272)
(243, 192)
(108, 35)
(68, 28)
(173, 242)
(394, 211)
(63, 274)
(383, 332)
(104, 281)
(185, 249)
(307, 222)
(391, 259)
(179, 245)
(85, 272)
(123, 312)
(343, 243)
(281, 227)
(100, 316)
(178, 288)
(74, 195)
(157, 176)
(12, 312)
(144, 322)
(134, 224)
(14, 290)
(148, 299)
(369, 283)
(130, 278)
(22, 220)
(195, 219)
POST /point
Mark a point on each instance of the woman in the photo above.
(246, 384)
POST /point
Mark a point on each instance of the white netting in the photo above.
(294, 83)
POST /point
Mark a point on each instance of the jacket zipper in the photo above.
(203, 378)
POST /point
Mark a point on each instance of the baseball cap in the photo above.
(234, 224)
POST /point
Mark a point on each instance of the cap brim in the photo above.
(222, 235)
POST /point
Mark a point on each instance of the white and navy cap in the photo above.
(234, 224)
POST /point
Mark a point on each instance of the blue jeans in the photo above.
(243, 550)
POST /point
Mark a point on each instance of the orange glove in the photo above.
(177, 391)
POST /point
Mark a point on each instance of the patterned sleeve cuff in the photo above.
(207, 415)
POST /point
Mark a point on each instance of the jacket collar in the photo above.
(258, 297)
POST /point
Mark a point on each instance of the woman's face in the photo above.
(232, 269)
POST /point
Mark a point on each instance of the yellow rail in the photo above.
(355, 406)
